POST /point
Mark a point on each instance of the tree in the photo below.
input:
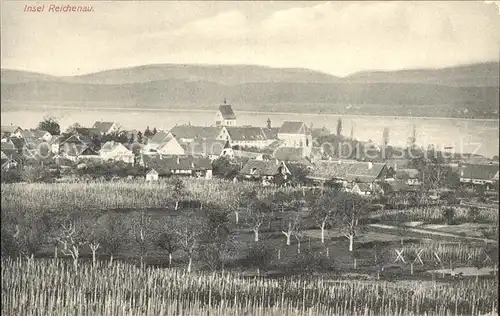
(50, 125)
(218, 236)
(222, 167)
(94, 236)
(28, 235)
(72, 240)
(178, 191)
(165, 238)
(147, 132)
(292, 222)
(189, 229)
(339, 127)
(71, 129)
(255, 214)
(142, 232)
(321, 207)
(243, 202)
(385, 136)
(350, 209)
(114, 234)
(448, 215)
(154, 132)
(139, 137)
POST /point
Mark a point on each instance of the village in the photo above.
(290, 154)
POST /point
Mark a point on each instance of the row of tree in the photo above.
(205, 232)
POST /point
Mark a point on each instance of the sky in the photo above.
(338, 38)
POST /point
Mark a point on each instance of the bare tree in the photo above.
(142, 230)
(244, 200)
(255, 214)
(292, 223)
(114, 234)
(71, 239)
(165, 239)
(188, 230)
(179, 191)
(320, 205)
(385, 136)
(350, 208)
(94, 237)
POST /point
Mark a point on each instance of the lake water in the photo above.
(464, 135)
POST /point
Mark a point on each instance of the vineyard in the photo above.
(41, 287)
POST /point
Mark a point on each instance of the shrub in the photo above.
(449, 215)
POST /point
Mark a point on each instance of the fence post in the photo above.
(279, 254)
(355, 263)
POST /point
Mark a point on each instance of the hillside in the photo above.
(469, 91)
(484, 74)
(223, 74)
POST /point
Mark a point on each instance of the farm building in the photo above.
(296, 134)
(248, 154)
(105, 128)
(152, 175)
(345, 172)
(479, 174)
(265, 170)
(292, 154)
(198, 167)
(248, 136)
(408, 176)
(31, 135)
(188, 133)
(11, 130)
(211, 148)
(225, 115)
(164, 143)
(116, 151)
(75, 152)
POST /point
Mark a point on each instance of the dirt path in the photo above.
(429, 232)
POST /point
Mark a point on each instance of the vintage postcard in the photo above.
(249, 157)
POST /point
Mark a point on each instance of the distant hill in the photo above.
(484, 74)
(10, 76)
(223, 74)
(465, 90)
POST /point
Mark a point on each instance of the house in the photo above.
(152, 175)
(476, 174)
(29, 135)
(248, 136)
(248, 154)
(362, 188)
(211, 148)
(345, 172)
(292, 154)
(265, 170)
(105, 128)
(11, 130)
(225, 115)
(188, 133)
(199, 167)
(116, 151)
(296, 134)
(77, 152)
(408, 176)
(165, 143)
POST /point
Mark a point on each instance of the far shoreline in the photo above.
(150, 109)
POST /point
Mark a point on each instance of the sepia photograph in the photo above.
(249, 158)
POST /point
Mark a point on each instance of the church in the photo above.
(225, 115)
